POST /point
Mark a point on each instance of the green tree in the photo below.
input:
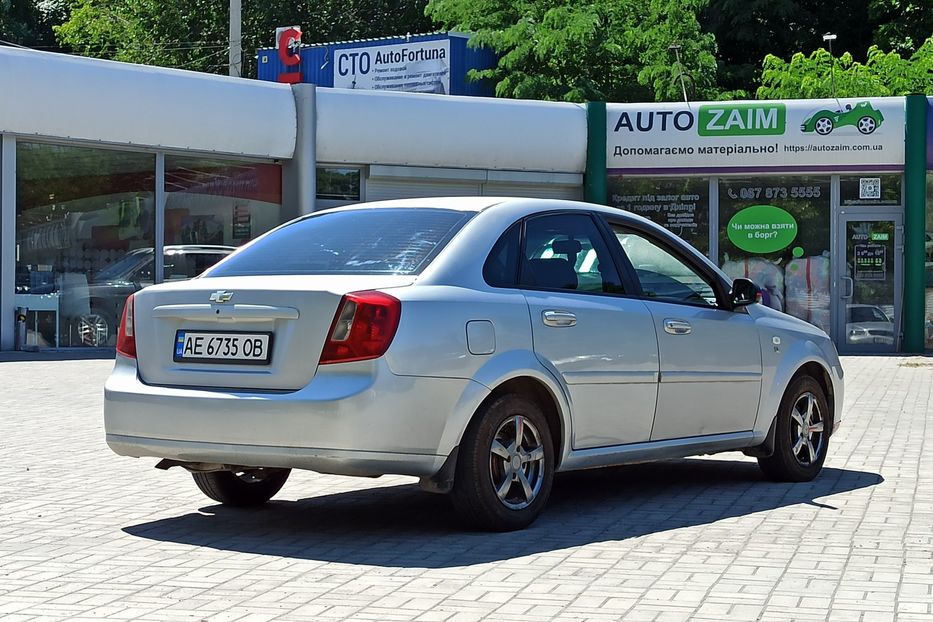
(747, 30)
(902, 25)
(882, 74)
(614, 50)
(192, 34)
(29, 22)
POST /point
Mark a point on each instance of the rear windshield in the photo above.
(369, 241)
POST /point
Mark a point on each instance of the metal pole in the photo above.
(236, 42)
(594, 178)
(915, 175)
(832, 67)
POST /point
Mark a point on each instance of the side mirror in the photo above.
(744, 292)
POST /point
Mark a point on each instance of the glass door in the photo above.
(869, 248)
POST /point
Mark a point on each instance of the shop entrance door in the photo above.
(869, 249)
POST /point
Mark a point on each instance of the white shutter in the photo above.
(381, 189)
(538, 191)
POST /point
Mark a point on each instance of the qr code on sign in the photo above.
(869, 188)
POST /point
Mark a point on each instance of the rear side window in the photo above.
(368, 241)
(501, 267)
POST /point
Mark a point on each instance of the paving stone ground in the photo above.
(88, 535)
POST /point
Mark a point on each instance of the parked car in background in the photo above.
(481, 344)
(108, 289)
(868, 324)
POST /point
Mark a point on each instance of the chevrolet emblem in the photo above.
(221, 296)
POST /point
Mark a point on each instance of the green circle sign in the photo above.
(762, 229)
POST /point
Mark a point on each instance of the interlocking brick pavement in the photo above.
(87, 535)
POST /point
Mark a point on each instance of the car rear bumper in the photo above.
(352, 419)
(336, 461)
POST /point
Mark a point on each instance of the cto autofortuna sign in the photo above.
(797, 135)
(418, 67)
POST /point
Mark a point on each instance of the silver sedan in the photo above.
(480, 344)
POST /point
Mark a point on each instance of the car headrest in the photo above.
(566, 247)
(554, 273)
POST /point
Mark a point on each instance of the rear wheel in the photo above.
(823, 126)
(505, 467)
(246, 488)
(801, 434)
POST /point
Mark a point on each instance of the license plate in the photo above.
(223, 347)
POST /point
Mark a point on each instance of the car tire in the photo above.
(801, 433)
(866, 125)
(823, 126)
(246, 488)
(501, 485)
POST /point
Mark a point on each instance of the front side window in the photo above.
(364, 241)
(662, 275)
(567, 251)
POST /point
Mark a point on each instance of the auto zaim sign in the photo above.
(417, 67)
(800, 135)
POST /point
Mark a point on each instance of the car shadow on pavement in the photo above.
(401, 526)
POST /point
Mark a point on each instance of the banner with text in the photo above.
(791, 135)
(417, 67)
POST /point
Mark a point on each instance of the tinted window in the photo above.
(662, 275)
(567, 251)
(501, 267)
(372, 241)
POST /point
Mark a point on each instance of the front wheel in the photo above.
(866, 125)
(801, 433)
(246, 488)
(505, 468)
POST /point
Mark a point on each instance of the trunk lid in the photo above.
(297, 311)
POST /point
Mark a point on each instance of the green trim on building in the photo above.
(915, 130)
(594, 177)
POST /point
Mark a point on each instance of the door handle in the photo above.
(850, 288)
(677, 327)
(559, 319)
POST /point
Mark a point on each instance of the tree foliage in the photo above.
(747, 30)
(882, 74)
(901, 25)
(614, 50)
(29, 22)
(193, 34)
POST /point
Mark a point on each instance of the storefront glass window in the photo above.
(679, 204)
(776, 231)
(338, 184)
(80, 213)
(212, 206)
(870, 190)
(928, 320)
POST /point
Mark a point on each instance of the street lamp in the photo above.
(675, 48)
(830, 37)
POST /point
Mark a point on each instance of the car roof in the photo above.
(481, 204)
(194, 248)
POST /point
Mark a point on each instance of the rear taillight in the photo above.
(363, 327)
(126, 336)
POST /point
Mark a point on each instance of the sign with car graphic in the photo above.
(748, 136)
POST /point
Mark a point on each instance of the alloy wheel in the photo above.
(93, 330)
(823, 126)
(807, 429)
(866, 125)
(516, 463)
